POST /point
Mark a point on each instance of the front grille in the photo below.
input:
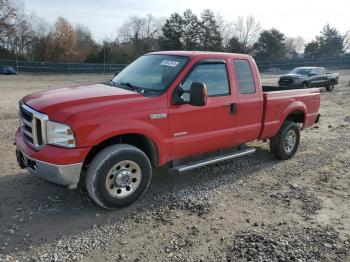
(33, 125)
(285, 82)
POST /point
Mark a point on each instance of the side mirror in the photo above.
(198, 94)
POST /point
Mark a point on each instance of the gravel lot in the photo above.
(251, 209)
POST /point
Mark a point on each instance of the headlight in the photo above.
(60, 135)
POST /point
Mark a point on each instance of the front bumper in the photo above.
(60, 166)
(66, 175)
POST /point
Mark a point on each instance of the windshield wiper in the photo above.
(123, 85)
(109, 83)
(132, 87)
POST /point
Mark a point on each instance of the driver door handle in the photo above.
(232, 107)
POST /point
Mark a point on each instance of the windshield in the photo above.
(151, 72)
(301, 71)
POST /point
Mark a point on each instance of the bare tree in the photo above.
(226, 29)
(142, 32)
(247, 30)
(84, 42)
(347, 41)
(24, 34)
(299, 43)
(294, 46)
(40, 26)
(131, 30)
(8, 13)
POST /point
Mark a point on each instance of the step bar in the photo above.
(187, 167)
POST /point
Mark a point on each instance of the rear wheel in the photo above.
(330, 86)
(118, 176)
(285, 144)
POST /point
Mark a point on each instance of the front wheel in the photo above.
(285, 144)
(118, 175)
(305, 85)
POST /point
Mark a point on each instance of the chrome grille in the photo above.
(286, 81)
(33, 125)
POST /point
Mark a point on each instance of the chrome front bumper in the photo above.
(66, 175)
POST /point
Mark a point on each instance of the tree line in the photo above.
(26, 37)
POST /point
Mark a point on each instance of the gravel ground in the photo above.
(251, 209)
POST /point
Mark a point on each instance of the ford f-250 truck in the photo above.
(181, 110)
(306, 77)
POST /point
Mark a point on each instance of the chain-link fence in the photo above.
(77, 68)
(338, 62)
(62, 68)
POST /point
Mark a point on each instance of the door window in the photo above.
(246, 84)
(213, 75)
(320, 71)
(313, 71)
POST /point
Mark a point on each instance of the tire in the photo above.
(118, 175)
(330, 86)
(305, 85)
(285, 144)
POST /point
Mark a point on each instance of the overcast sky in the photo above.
(296, 17)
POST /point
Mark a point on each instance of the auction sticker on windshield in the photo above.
(169, 63)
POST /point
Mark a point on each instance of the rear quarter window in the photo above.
(245, 78)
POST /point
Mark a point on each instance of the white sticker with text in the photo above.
(169, 63)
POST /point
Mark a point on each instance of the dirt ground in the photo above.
(251, 209)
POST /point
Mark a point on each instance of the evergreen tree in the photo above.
(311, 50)
(191, 31)
(330, 42)
(270, 45)
(172, 33)
(235, 46)
(210, 37)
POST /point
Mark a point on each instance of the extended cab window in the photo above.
(214, 75)
(246, 84)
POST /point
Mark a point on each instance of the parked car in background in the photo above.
(306, 77)
(8, 70)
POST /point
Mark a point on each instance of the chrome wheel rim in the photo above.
(290, 141)
(123, 179)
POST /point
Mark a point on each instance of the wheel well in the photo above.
(142, 142)
(296, 116)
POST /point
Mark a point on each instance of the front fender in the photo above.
(89, 133)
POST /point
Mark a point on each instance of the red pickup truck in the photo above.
(178, 109)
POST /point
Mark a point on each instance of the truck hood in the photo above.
(61, 103)
(292, 76)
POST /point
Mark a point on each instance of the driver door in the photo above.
(200, 129)
(314, 78)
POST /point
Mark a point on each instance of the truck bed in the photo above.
(279, 103)
(278, 88)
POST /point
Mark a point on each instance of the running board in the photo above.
(183, 168)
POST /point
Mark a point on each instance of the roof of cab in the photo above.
(202, 53)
